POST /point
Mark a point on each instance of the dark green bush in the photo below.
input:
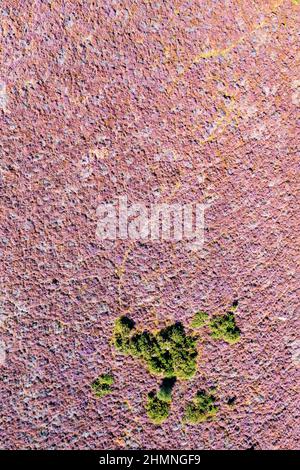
(201, 408)
(102, 385)
(157, 410)
(170, 352)
(224, 327)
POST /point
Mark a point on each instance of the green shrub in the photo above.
(102, 385)
(157, 410)
(200, 319)
(177, 352)
(170, 352)
(224, 327)
(201, 408)
(143, 345)
(122, 330)
(165, 391)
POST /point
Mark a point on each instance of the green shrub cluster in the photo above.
(221, 326)
(170, 352)
(102, 385)
(157, 409)
(224, 327)
(200, 319)
(201, 408)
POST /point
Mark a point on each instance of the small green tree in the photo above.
(157, 409)
(121, 335)
(224, 327)
(201, 408)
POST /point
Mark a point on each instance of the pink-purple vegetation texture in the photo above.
(163, 101)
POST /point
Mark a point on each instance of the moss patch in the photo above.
(102, 385)
(201, 408)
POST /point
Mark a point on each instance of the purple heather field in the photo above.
(182, 101)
